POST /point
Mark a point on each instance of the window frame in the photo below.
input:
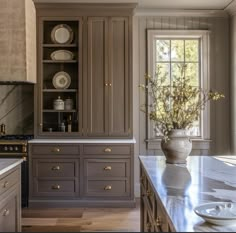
(203, 36)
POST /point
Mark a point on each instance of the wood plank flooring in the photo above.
(84, 220)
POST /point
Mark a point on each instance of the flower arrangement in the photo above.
(177, 105)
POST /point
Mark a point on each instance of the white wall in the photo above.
(219, 76)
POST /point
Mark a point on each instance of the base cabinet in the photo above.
(153, 217)
(98, 175)
(10, 201)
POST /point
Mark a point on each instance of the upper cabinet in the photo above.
(17, 41)
(84, 70)
(109, 77)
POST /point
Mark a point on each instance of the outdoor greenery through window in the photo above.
(172, 57)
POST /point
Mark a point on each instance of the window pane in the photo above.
(176, 70)
(163, 71)
(162, 50)
(195, 130)
(192, 73)
(191, 50)
(177, 50)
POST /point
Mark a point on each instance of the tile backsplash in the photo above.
(17, 108)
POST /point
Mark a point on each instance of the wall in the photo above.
(16, 108)
(219, 75)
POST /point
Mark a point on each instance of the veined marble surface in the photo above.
(182, 187)
(8, 164)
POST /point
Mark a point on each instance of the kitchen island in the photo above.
(170, 192)
(10, 195)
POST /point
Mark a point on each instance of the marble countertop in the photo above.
(106, 141)
(8, 164)
(183, 187)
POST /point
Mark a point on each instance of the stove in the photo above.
(16, 146)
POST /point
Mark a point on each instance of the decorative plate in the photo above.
(62, 34)
(61, 80)
(219, 213)
(62, 55)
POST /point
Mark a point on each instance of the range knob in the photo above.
(11, 148)
(16, 148)
(5, 148)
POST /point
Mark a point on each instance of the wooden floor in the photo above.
(84, 220)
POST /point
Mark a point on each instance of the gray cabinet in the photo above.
(98, 175)
(10, 201)
(153, 216)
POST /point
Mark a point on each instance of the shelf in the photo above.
(59, 90)
(59, 45)
(57, 111)
(61, 61)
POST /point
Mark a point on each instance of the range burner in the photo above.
(16, 137)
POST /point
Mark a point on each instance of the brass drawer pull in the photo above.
(56, 187)
(6, 212)
(55, 150)
(108, 187)
(107, 168)
(107, 150)
(56, 168)
(148, 225)
(5, 185)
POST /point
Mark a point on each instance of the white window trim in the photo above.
(205, 79)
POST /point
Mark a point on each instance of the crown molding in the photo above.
(231, 8)
(189, 13)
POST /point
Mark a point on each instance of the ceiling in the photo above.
(160, 4)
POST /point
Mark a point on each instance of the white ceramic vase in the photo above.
(178, 147)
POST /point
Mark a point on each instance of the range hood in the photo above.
(17, 41)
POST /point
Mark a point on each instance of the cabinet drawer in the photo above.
(54, 187)
(107, 168)
(8, 213)
(55, 149)
(112, 188)
(55, 168)
(9, 180)
(106, 149)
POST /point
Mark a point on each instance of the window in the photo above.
(168, 52)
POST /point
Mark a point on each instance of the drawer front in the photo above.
(54, 187)
(55, 168)
(9, 180)
(107, 188)
(106, 149)
(8, 214)
(107, 168)
(56, 149)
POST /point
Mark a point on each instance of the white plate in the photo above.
(62, 55)
(62, 34)
(61, 80)
(219, 213)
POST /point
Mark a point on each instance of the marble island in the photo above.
(171, 192)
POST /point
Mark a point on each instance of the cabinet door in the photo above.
(119, 77)
(97, 92)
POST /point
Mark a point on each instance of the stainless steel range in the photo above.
(16, 146)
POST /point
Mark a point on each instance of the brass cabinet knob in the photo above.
(107, 168)
(158, 221)
(106, 84)
(40, 124)
(149, 193)
(6, 212)
(56, 187)
(55, 150)
(5, 185)
(56, 168)
(110, 84)
(108, 187)
(107, 150)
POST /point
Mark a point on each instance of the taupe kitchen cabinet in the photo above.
(109, 77)
(100, 72)
(81, 174)
(10, 200)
